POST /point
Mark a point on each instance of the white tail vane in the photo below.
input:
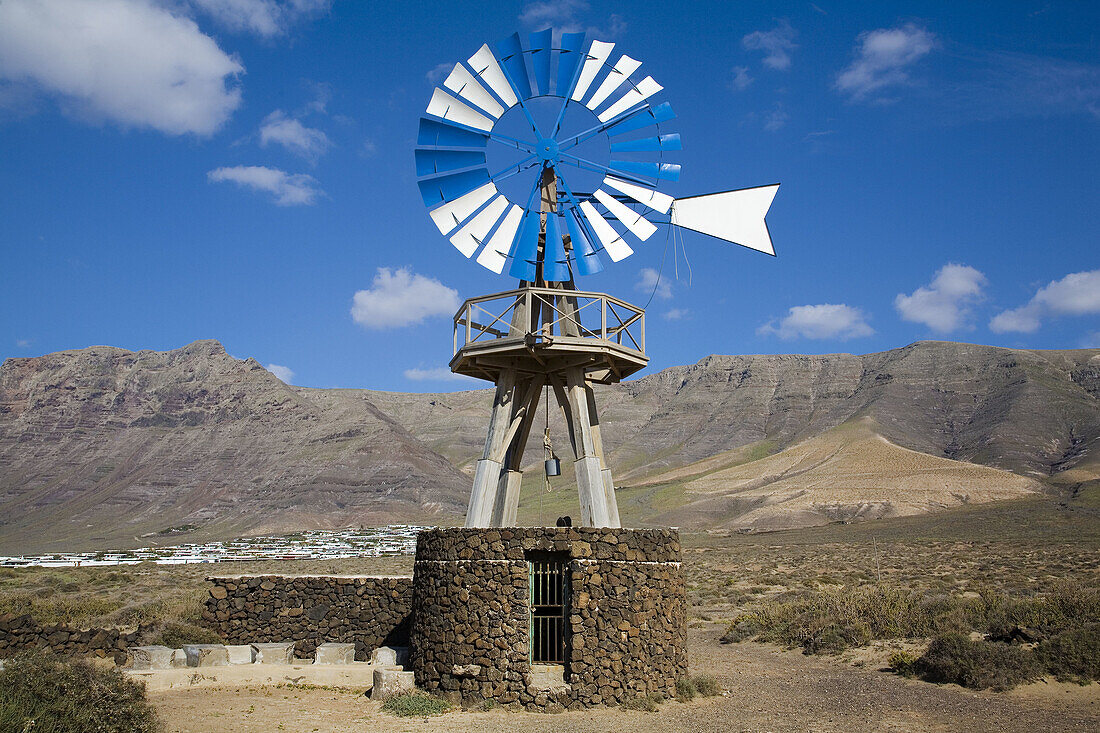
(735, 216)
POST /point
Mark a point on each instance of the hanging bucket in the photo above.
(552, 466)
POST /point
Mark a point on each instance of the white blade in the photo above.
(445, 106)
(735, 216)
(470, 237)
(599, 51)
(463, 83)
(638, 225)
(495, 253)
(612, 241)
(485, 65)
(653, 199)
(448, 216)
(624, 67)
(646, 88)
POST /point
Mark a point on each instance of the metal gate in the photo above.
(548, 583)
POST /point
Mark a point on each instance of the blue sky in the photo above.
(241, 169)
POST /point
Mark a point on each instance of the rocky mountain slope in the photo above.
(104, 445)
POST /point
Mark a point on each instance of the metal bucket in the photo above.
(552, 466)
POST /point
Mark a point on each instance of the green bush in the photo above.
(685, 690)
(415, 705)
(47, 694)
(1073, 655)
(904, 663)
(706, 685)
(648, 704)
(175, 635)
(977, 664)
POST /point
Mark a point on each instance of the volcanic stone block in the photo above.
(241, 654)
(334, 653)
(274, 652)
(206, 655)
(390, 656)
(390, 682)
(151, 657)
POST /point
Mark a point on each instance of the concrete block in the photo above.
(334, 653)
(241, 654)
(179, 658)
(151, 657)
(206, 655)
(546, 676)
(390, 682)
(277, 653)
(390, 656)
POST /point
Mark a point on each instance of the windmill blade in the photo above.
(555, 263)
(434, 132)
(616, 247)
(597, 56)
(642, 118)
(467, 239)
(541, 43)
(660, 171)
(525, 251)
(462, 82)
(734, 216)
(445, 106)
(645, 196)
(568, 62)
(646, 88)
(649, 144)
(495, 253)
(450, 186)
(638, 225)
(510, 52)
(429, 162)
(485, 65)
(450, 215)
(622, 70)
(584, 254)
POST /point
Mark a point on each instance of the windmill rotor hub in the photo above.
(548, 151)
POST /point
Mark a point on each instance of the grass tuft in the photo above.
(415, 705)
(685, 690)
(706, 685)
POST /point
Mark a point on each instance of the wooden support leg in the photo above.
(507, 498)
(487, 474)
(606, 480)
(590, 484)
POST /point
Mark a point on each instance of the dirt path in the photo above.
(769, 690)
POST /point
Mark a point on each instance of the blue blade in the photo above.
(430, 162)
(510, 53)
(569, 60)
(588, 262)
(442, 189)
(555, 265)
(525, 250)
(647, 144)
(643, 118)
(662, 171)
(541, 43)
(433, 132)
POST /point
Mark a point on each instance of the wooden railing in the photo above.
(548, 313)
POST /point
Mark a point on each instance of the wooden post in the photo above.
(487, 473)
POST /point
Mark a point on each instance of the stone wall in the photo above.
(627, 615)
(311, 610)
(21, 633)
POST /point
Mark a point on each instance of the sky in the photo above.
(242, 170)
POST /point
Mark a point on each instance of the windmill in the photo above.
(595, 149)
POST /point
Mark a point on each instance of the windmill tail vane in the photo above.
(557, 231)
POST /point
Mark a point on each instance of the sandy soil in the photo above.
(768, 690)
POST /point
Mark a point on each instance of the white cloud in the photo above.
(563, 17)
(265, 18)
(944, 304)
(368, 149)
(402, 298)
(130, 61)
(1090, 340)
(436, 374)
(289, 189)
(882, 57)
(284, 374)
(439, 72)
(776, 119)
(676, 314)
(23, 343)
(823, 321)
(648, 279)
(741, 79)
(777, 44)
(293, 135)
(1076, 294)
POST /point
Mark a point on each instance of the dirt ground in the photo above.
(768, 689)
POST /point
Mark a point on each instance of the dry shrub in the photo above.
(1073, 655)
(977, 664)
(706, 685)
